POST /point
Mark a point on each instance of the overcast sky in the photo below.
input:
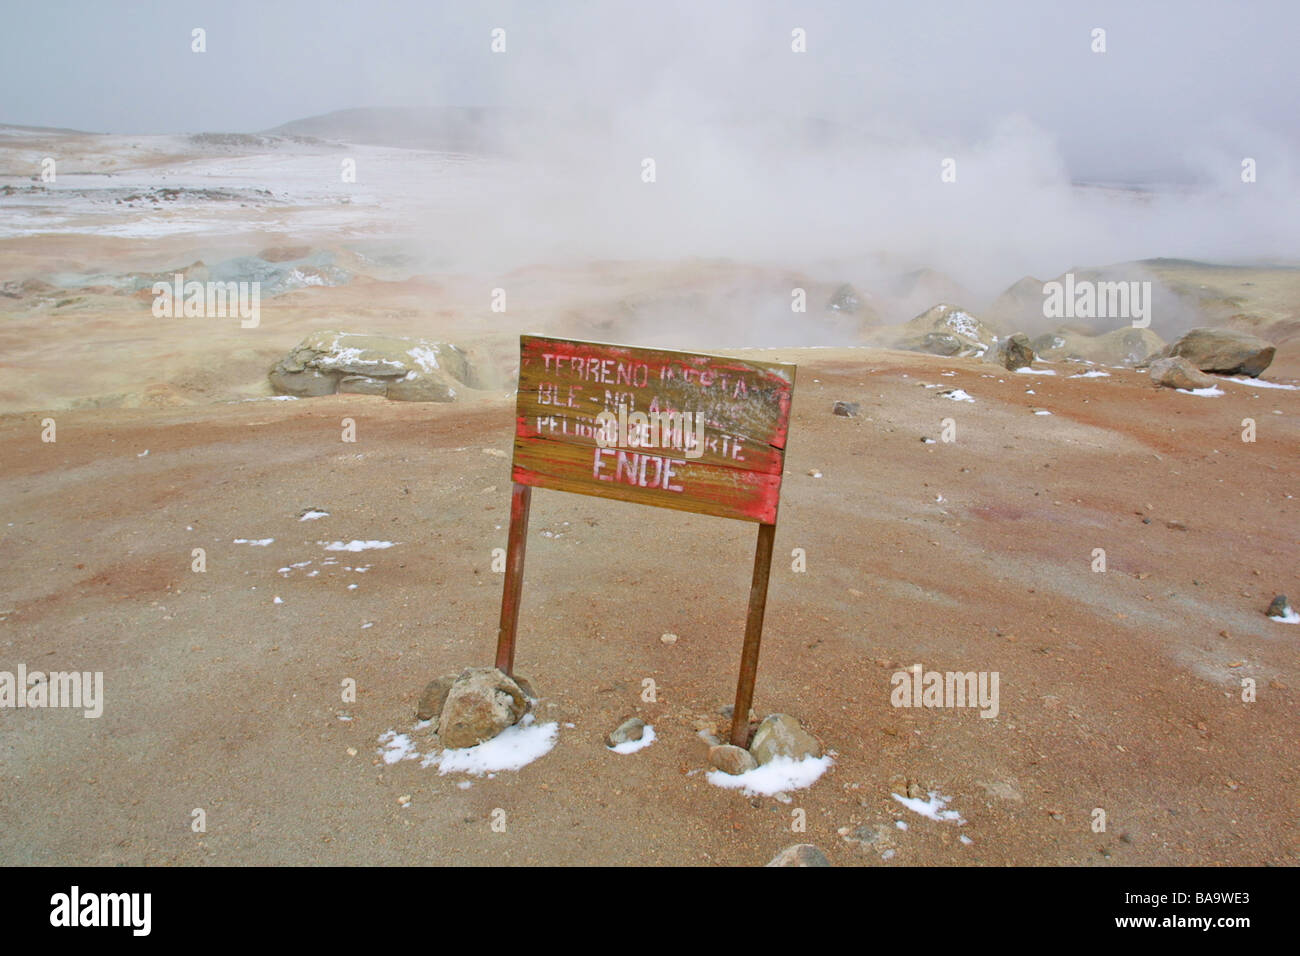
(1178, 79)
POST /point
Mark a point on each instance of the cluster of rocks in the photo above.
(778, 735)
(958, 333)
(954, 332)
(1223, 351)
(473, 706)
(402, 369)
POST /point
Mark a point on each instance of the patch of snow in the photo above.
(779, 774)
(963, 324)
(1042, 411)
(396, 747)
(257, 543)
(1289, 616)
(313, 514)
(300, 278)
(1260, 383)
(513, 748)
(354, 545)
(632, 746)
(1210, 392)
(1093, 374)
(957, 395)
(934, 808)
(1026, 370)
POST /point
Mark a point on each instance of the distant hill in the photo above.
(6, 127)
(451, 129)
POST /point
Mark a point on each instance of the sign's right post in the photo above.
(753, 635)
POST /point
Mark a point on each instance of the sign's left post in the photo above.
(520, 499)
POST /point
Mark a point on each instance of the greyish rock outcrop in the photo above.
(402, 369)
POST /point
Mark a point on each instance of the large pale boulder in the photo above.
(1223, 350)
(780, 735)
(1178, 373)
(480, 704)
(403, 369)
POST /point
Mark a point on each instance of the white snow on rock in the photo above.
(354, 545)
(962, 323)
(632, 746)
(1289, 616)
(425, 357)
(513, 748)
(779, 774)
(934, 808)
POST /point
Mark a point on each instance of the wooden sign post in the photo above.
(685, 430)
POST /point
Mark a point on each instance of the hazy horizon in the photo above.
(1179, 83)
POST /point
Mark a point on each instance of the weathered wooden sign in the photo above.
(684, 430)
